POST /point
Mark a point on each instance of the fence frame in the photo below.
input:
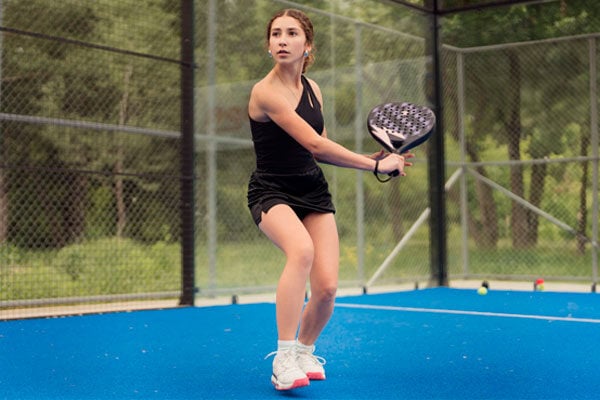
(435, 213)
(465, 168)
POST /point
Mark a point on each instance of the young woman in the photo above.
(289, 198)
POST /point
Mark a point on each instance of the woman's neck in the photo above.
(289, 77)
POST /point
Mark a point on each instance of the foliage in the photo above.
(525, 98)
(114, 63)
(111, 266)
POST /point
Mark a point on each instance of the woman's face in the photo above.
(287, 41)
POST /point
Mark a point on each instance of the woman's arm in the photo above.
(275, 106)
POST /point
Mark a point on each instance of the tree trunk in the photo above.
(519, 219)
(3, 188)
(538, 179)
(487, 237)
(3, 207)
(118, 167)
(582, 214)
(75, 209)
(119, 192)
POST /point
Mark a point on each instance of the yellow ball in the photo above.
(482, 291)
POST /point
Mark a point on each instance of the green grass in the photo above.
(107, 266)
(119, 266)
(547, 259)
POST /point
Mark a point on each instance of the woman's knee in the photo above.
(325, 294)
(302, 254)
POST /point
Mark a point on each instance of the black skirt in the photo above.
(305, 193)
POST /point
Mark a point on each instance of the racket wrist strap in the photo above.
(376, 173)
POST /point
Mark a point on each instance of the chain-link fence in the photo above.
(89, 142)
(521, 146)
(520, 134)
(359, 65)
(90, 146)
(524, 127)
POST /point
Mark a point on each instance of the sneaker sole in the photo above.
(316, 376)
(296, 384)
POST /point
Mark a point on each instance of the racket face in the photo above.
(400, 126)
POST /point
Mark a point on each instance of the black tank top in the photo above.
(277, 151)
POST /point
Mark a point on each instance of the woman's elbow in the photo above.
(317, 148)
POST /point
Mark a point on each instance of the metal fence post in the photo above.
(460, 68)
(438, 258)
(594, 143)
(358, 132)
(187, 200)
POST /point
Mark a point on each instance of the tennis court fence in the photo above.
(91, 164)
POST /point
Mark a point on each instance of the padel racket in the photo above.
(399, 127)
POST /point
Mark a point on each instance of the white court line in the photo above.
(463, 312)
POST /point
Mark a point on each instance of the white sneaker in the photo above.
(286, 371)
(309, 363)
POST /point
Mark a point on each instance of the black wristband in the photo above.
(376, 173)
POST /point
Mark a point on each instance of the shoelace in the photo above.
(274, 353)
(287, 360)
(318, 359)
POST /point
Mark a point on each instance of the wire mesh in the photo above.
(521, 117)
(89, 153)
(90, 145)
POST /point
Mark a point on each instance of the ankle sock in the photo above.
(305, 348)
(285, 344)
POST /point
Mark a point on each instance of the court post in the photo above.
(187, 200)
(437, 235)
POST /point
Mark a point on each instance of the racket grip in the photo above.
(394, 173)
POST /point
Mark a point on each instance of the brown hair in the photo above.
(307, 27)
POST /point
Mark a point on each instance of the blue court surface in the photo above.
(425, 344)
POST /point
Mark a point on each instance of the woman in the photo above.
(289, 198)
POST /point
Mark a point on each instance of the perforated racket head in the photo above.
(400, 127)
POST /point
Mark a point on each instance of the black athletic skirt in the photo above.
(305, 193)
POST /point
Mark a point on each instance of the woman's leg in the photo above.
(283, 227)
(323, 276)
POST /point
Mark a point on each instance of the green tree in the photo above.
(506, 92)
(27, 63)
(52, 78)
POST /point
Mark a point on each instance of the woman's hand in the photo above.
(380, 155)
(394, 162)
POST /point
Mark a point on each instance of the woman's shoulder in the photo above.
(262, 88)
(261, 98)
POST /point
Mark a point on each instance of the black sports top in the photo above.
(287, 173)
(277, 151)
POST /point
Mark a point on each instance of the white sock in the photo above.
(305, 348)
(285, 344)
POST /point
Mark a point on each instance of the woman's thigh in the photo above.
(283, 227)
(322, 229)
